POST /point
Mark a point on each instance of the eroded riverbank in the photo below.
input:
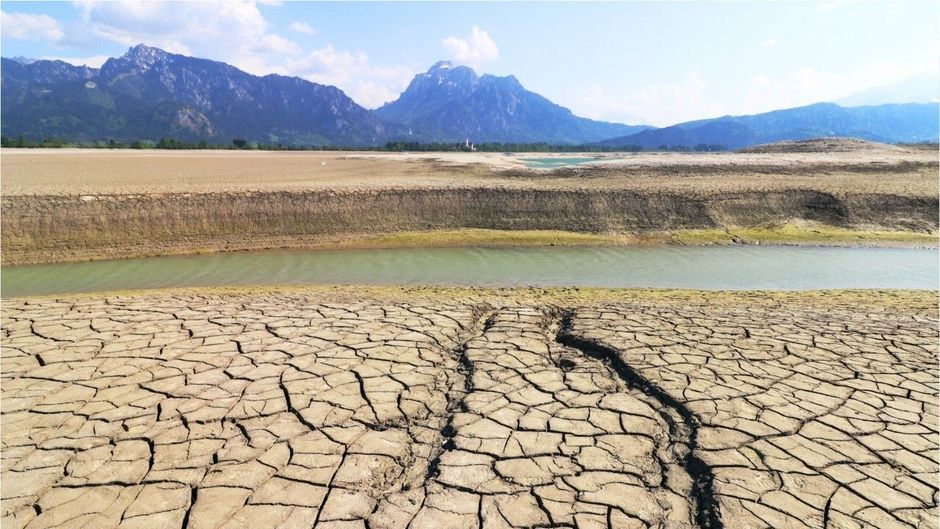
(328, 407)
(78, 206)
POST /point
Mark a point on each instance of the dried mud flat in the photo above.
(306, 408)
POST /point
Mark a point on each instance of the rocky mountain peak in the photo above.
(446, 72)
(145, 55)
(441, 65)
(148, 93)
(137, 59)
(451, 103)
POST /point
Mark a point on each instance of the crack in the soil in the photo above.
(707, 515)
(193, 493)
(465, 368)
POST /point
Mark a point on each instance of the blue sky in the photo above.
(656, 63)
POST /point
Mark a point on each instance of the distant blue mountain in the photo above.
(452, 103)
(148, 93)
(891, 123)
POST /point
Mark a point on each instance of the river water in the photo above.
(720, 267)
(556, 162)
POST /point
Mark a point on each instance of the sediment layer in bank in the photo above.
(63, 228)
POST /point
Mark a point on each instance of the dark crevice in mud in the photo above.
(825, 521)
(465, 368)
(290, 406)
(707, 515)
(151, 446)
(193, 492)
(364, 396)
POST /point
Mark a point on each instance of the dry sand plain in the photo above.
(66, 205)
(121, 172)
(433, 408)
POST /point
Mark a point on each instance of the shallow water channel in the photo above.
(556, 162)
(725, 267)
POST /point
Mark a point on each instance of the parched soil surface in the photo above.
(285, 408)
(78, 205)
(68, 172)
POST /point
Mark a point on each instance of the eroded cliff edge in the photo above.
(37, 228)
(326, 199)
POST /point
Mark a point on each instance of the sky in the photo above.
(652, 63)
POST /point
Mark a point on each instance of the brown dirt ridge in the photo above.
(78, 205)
(834, 144)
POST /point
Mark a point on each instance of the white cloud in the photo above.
(806, 85)
(237, 33)
(328, 65)
(369, 85)
(476, 49)
(371, 94)
(693, 97)
(230, 31)
(302, 27)
(26, 26)
(658, 104)
(95, 61)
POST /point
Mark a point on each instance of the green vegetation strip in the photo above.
(483, 237)
(787, 234)
(792, 234)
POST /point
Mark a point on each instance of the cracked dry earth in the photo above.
(285, 410)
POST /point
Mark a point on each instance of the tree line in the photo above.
(392, 146)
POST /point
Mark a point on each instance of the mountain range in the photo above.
(889, 123)
(148, 93)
